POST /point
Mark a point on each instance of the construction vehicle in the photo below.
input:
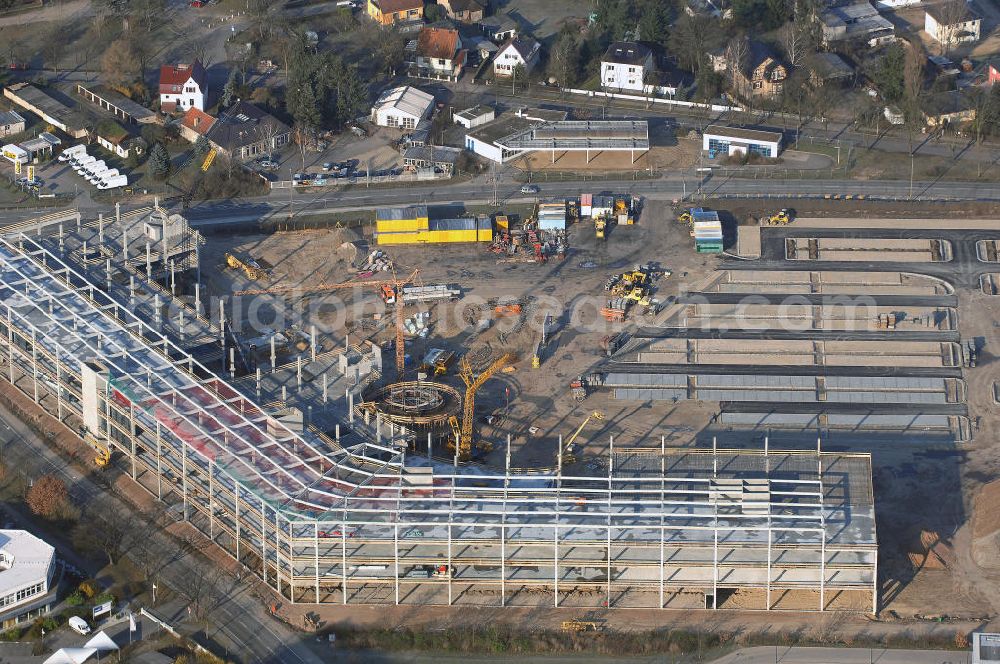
(599, 226)
(502, 310)
(253, 269)
(437, 361)
(579, 388)
(473, 381)
(103, 457)
(568, 456)
(780, 218)
(577, 625)
(685, 217)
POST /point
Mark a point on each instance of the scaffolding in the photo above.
(320, 520)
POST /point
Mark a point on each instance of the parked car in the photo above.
(327, 165)
(267, 163)
(529, 189)
(78, 625)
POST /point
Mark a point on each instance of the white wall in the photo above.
(618, 76)
(483, 149)
(186, 99)
(393, 117)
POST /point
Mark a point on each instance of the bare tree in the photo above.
(949, 16)
(913, 73)
(111, 531)
(795, 43)
(201, 585)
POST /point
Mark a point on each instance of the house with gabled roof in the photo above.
(520, 50)
(439, 55)
(183, 86)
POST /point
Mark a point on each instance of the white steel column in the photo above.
(769, 538)
(316, 559)
(343, 553)
(159, 469)
(34, 364)
(59, 390)
(236, 495)
(263, 541)
(184, 479)
(663, 490)
(10, 345)
(131, 434)
(395, 556)
(277, 554)
(211, 501)
(503, 528)
(611, 464)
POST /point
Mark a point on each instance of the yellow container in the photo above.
(397, 238)
(400, 225)
(486, 235)
(502, 223)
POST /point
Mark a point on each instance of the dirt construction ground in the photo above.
(921, 487)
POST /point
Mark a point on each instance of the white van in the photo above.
(83, 162)
(116, 181)
(94, 167)
(72, 151)
(98, 178)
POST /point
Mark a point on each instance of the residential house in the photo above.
(952, 23)
(522, 51)
(391, 12)
(245, 131)
(625, 67)
(760, 74)
(465, 11)
(402, 107)
(499, 28)
(859, 21)
(195, 124)
(11, 122)
(828, 69)
(439, 55)
(183, 86)
(948, 108)
(114, 138)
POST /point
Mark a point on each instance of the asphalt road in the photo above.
(785, 655)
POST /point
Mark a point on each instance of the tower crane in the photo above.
(473, 382)
(568, 457)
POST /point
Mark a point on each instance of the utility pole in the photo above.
(911, 176)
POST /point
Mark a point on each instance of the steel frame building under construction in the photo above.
(366, 523)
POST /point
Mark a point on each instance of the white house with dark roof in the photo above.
(517, 51)
(625, 66)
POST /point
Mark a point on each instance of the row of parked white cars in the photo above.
(92, 169)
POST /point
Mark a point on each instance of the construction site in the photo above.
(591, 407)
(336, 485)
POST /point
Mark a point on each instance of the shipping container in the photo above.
(400, 225)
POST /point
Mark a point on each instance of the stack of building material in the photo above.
(552, 216)
(707, 231)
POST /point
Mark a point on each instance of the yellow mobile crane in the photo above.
(568, 457)
(473, 382)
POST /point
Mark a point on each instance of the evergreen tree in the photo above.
(159, 161)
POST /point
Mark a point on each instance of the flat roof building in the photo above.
(54, 111)
(718, 140)
(27, 568)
